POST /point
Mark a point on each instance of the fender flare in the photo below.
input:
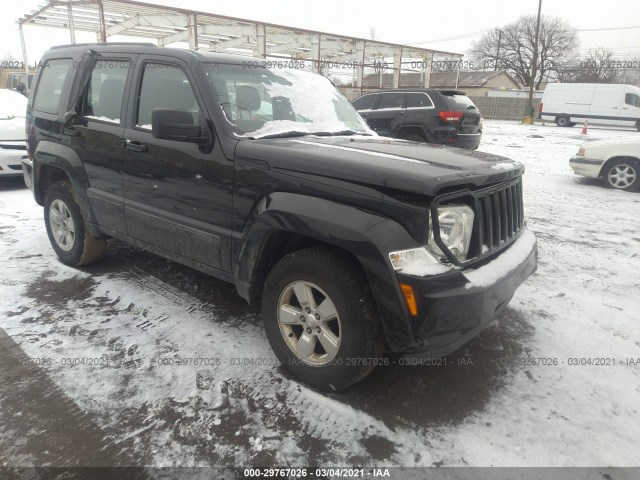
(368, 237)
(67, 160)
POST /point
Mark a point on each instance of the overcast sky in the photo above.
(408, 23)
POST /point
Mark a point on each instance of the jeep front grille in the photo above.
(498, 218)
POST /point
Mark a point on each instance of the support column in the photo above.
(102, 34)
(360, 56)
(427, 60)
(261, 38)
(397, 65)
(192, 31)
(72, 30)
(24, 58)
(316, 54)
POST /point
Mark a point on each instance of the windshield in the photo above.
(261, 102)
(12, 104)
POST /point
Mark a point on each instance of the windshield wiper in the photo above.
(292, 133)
(340, 133)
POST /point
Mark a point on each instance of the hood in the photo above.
(619, 142)
(12, 128)
(383, 162)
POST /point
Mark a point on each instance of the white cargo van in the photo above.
(604, 104)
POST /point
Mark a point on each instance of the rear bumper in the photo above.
(455, 139)
(587, 167)
(453, 308)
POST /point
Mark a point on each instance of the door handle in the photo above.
(399, 113)
(365, 115)
(134, 146)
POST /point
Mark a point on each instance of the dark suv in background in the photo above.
(269, 179)
(423, 115)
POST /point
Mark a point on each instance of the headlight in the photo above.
(456, 227)
(581, 152)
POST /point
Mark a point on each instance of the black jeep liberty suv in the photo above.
(268, 178)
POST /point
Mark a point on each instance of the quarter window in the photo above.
(165, 86)
(49, 92)
(418, 100)
(391, 100)
(103, 98)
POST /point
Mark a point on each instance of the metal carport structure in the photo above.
(211, 32)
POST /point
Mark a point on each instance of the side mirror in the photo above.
(176, 125)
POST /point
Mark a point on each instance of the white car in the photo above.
(13, 147)
(616, 162)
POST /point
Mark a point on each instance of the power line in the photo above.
(606, 29)
(457, 37)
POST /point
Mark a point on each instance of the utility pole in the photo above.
(495, 65)
(528, 117)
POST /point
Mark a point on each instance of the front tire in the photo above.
(622, 175)
(71, 241)
(320, 319)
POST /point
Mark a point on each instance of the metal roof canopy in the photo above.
(218, 33)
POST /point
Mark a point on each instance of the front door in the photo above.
(177, 194)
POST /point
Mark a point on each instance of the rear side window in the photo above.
(49, 90)
(165, 86)
(418, 100)
(391, 100)
(365, 102)
(103, 98)
(458, 102)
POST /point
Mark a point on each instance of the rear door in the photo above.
(97, 137)
(389, 113)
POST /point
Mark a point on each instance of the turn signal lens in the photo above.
(410, 299)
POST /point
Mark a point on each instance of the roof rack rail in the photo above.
(107, 44)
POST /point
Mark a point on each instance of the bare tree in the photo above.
(513, 49)
(373, 34)
(600, 65)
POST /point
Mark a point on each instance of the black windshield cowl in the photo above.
(296, 133)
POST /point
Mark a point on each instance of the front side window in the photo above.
(632, 99)
(49, 90)
(105, 91)
(391, 100)
(261, 101)
(165, 86)
(365, 102)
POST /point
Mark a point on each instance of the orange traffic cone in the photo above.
(584, 127)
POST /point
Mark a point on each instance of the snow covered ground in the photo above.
(517, 395)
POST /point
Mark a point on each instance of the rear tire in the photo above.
(622, 175)
(638, 125)
(563, 121)
(70, 239)
(320, 319)
(415, 137)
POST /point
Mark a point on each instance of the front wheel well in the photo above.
(278, 245)
(47, 175)
(635, 161)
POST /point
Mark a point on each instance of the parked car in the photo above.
(13, 148)
(599, 103)
(447, 117)
(616, 162)
(350, 242)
